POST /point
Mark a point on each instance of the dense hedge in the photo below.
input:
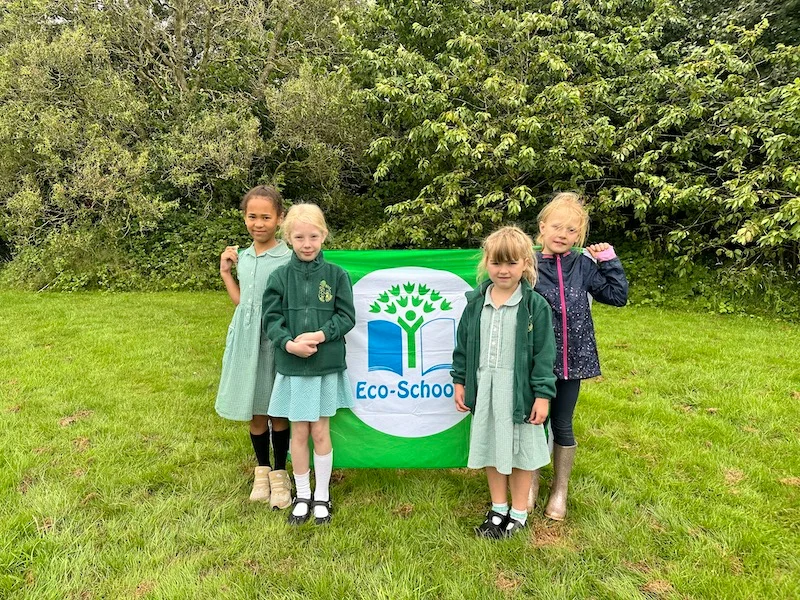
(129, 130)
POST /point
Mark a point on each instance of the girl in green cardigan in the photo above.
(503, 375)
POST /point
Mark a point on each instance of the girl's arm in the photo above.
(274, 322)
(542, 378)
(606, 280)
(344, 313)
(459, 370)
(227, 259)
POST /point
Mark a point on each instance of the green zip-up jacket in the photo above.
(534, 354)
(304, 297)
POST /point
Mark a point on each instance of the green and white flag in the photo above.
(399, 355)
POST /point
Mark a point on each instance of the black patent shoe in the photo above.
(493, 525)
(512, 527)
(294, 519)
(327, 504)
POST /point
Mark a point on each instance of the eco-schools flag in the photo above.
(399, 355)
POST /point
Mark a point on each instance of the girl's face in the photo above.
(559, 232)
(506, 275)
(306, 240)
(262, 220)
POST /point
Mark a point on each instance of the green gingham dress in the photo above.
(248, 365)
(495, 440)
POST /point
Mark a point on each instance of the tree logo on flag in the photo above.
(408, 303)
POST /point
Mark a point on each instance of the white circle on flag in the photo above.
(399, 354)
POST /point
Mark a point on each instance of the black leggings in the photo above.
(561, 410)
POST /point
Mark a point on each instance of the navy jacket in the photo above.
(564, 280)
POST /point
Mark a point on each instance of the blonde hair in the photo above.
(571, 203)
(304, 212)
(509, 244)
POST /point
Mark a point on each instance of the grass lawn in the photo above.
(118, 480)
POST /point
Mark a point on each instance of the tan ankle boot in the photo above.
(563, 457)
(281, 486)
(533, 493)
(260, 491)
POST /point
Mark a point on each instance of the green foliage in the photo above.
(694, 147)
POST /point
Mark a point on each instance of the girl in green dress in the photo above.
(248, 365)
(503, 375)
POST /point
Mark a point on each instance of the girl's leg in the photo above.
(280, 441)
(561, 413)
(300, 462)
(259, 437)
(562, 410)
(323, 466)
(520, 483)
(493, 524)
(498, 486)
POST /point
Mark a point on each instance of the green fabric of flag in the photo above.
(399, 354)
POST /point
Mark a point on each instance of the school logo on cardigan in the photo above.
(406, 320)
(325, 292)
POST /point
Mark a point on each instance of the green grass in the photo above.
(118, 480)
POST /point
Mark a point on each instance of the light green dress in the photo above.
(248, 365)
(495, 440)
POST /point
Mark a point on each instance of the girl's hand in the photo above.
(228, 258)
(596, 249)
(302, 349)
(459, 398)
(541, 407)
(317, 337)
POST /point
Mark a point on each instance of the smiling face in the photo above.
(559, 232)
(306, 240)
(506, 275)
(262, 221)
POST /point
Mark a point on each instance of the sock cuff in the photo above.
(519, 515)
(500, 508)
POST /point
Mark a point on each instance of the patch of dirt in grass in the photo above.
(796, 395)
(14, 409)
(144, 588)
(733, 476)
(749, 429)
(639, 566)
(81, 414)
(81, 444)
(545, 534)
(30, 578)
(686, 408)
(507, 582)
(41, 450)
(736, 565)
(44, 525)
(25, 484)
(793, 481)
(253, 566)
(88, 498)
(337, 476)
(712, 411)
(78, 473)
(658, 588)
(637, 391)
(403, 510)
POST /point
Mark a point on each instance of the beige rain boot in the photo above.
(281, 496)
(563, 457)
(533, 493)
(260, 491)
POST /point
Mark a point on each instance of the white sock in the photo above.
(323, 466)
(519, 515)
(303, 484)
